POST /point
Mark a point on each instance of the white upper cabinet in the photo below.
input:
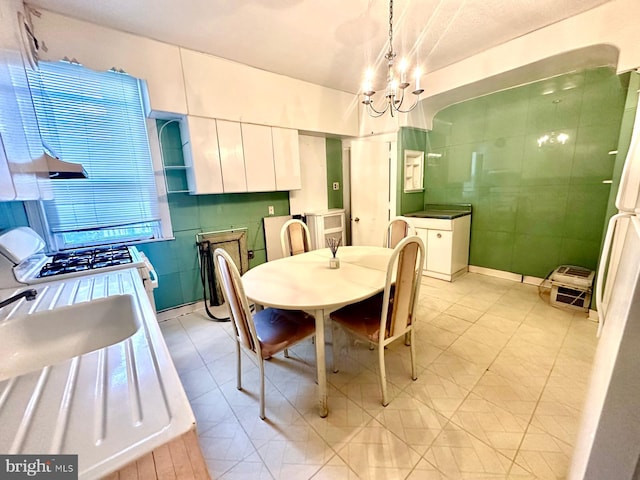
(286, 158)
(258, 158)
(201, 155)
(231, 157)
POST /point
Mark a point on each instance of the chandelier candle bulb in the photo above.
(417, 74)
(403, 73)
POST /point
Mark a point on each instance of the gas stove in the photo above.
(85, 260)
(23, 261)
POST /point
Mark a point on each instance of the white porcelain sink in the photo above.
(33, 341)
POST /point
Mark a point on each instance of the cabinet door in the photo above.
(201, 155)
(286, 157)
(258, 158)
(231, 157)
(439, 251)
(423, 234)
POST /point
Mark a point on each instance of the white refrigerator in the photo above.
(608, 443)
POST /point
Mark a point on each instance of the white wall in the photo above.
(312, 197)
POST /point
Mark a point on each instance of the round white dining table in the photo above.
(305, 282)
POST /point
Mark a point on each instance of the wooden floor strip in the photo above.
(199, 465)
(164, 464)
(146, 467)
(179, 459)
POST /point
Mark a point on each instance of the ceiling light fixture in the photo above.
(553, 138)
(396, 82)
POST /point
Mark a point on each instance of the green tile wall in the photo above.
(334, 172)
(534, 207)
(176, 261)
(12, 214)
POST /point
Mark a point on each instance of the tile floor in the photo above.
(501, 379)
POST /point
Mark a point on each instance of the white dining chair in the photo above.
(295, 237)
(390, 315)
(397, 229)
(266, 332)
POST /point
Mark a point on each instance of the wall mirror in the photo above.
(413, 171)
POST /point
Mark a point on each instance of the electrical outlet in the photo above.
(336, 185)
(271, 211)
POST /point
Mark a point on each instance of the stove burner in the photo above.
(86, 259)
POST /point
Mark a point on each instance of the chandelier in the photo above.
(396, 82)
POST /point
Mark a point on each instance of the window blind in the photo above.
(96, 119)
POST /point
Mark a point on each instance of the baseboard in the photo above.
(165, 315)
(537, 281)
(516, 277)
(593, 315)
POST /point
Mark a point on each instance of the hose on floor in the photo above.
(208, 277)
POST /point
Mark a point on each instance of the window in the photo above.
(96, 119)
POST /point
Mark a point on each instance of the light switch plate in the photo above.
(271, 211)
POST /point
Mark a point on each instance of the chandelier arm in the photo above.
(408, 109)
(378, 113)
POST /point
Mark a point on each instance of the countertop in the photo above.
(442, 211)
(109, 406)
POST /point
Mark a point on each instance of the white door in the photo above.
(370, 187)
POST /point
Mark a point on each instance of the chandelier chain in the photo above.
(390, 28)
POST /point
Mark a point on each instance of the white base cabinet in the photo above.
(447, 245)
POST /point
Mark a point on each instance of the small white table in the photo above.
(305, 282)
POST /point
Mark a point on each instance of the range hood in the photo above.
(61, 170)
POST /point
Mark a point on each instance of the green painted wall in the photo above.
(334, 172)
(534, 207)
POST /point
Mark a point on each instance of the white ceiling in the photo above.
(327, 42)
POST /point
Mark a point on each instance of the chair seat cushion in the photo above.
(363, 318)
(277, 329)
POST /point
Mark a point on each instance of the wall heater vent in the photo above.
(234, 242)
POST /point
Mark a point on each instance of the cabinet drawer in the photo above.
(431, 223)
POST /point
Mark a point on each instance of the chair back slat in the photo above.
(297, 239)
(404, 291)
(399, 230)
(233, 294)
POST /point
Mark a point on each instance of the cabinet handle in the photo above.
(356, 219)
(439, 235)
